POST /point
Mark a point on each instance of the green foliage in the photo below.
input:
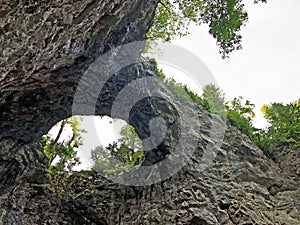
(178, 89)
(63, 151)
(125, 153)
(237, 120)
(245, 108)
(213, 99)
(157, 71)
(224, 18)
(240, 114)
(284, 119)
(284, 126)
(129, 138)
(284, 122)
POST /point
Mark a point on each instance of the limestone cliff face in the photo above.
(241, 186)
(46, 48)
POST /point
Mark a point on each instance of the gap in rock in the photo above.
(99, 131)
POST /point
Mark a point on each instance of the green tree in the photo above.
(102, 159)
(130, 138)
(125, 153)
(178, 89)
(240, 114)
(284, 125)
(63, 151)
(224, 18)
(213, 99)
(244, 108)
(284, 119)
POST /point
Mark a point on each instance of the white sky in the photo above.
(266, 70)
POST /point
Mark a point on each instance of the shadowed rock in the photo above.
(47, 46)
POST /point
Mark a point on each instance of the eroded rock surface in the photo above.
(47, 47)
(241, 186)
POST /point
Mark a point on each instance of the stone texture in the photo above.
(44, 56)
(240, 187)
(46, 48)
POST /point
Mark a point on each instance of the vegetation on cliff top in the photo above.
(284, 119)
(225, 19)
(284, 129)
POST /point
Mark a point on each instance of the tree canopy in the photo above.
(62, 154)
(284, 126)
(120, 155)
(224, 18)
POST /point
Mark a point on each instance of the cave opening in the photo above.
(86, 142)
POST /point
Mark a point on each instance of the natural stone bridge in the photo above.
(47, 46)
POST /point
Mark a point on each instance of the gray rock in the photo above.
(47, 47)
